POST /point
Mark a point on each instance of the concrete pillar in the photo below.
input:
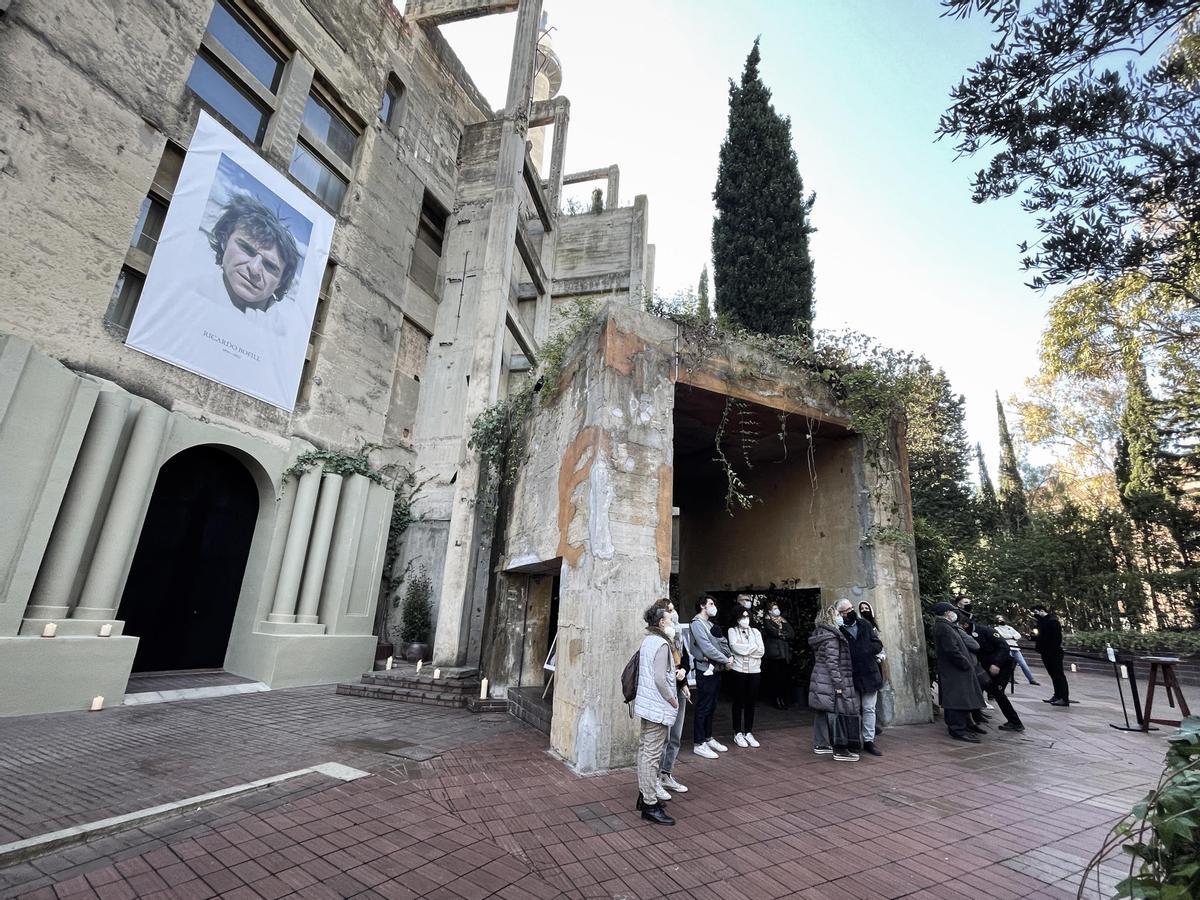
(612, 197)
(486, 355)
(122, 524)
(344, 547)
(545, 302)
(290, 570)
(318, 549)
(54, 589)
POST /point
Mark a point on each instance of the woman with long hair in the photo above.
(831, 693)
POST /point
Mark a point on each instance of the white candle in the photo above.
(483, 689)
(389, 664)
(50, 630)
(97, 703)
(106, 630)
(437, 673)
(419, 664)
(1074, 668)
(1124, 672)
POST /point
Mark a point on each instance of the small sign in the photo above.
(1112, 654)
(552, 656)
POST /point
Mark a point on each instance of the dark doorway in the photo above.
(186, 576)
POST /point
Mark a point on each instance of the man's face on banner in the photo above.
(252, 270)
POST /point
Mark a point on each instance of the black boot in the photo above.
(656, 814)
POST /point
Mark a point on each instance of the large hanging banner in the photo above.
(234, 281)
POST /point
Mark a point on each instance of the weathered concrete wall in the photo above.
(89, 95)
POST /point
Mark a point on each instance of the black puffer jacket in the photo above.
(863, 647)
(777, 639)
(832, 673)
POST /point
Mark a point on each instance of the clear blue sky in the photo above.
(901, 253)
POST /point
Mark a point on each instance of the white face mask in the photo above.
(669, 631)
(711, 610)
(775, 611)
(953, 616)
(839, 620)
(744, 621)
(745, 604)
(674, 617)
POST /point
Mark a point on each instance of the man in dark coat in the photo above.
(865, 647)
(1049, 644)
(958, 686)
(997, 664)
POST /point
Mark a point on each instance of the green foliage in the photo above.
(597, 206)
(762, 269)
(415, 611)
(1161, 836)
(1012, 488)
(1171, 643)
(338, 462)
(496, 432)
(1105, 153)
(703, 309)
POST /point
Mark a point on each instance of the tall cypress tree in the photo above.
(762, 270)
(989, 508)
(703, 309)
(1012, 488)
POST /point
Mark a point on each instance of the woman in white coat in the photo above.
(655, 704)
(746, 642)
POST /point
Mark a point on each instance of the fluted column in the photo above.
(318, 549)
(52, 592)
(288, 588)
(102, 589)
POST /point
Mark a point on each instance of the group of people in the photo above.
(677, 664)
(976, 661)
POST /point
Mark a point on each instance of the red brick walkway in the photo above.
(497, 816)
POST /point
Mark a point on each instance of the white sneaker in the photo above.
(660, 792)
(704, 750)
(750, 740)
(669, 782)
(740, 740)
(717, 745)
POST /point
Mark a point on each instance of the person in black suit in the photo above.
(1049, 644)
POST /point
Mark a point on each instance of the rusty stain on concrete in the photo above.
(662, 533)
(570, 475)
(621, 347)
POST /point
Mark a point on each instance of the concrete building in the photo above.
(151, 519)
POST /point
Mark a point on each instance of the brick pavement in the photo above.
(496, 816)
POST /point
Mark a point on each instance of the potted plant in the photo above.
(415, 619)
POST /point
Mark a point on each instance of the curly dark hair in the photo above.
(654, 615)
(264, 227)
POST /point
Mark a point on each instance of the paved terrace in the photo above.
(465, 806)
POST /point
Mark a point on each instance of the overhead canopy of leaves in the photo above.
(1092, 111)
(762, 270)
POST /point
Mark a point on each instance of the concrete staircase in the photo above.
(453, 688)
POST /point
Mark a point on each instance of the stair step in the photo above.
(384, 692)
(421, 684)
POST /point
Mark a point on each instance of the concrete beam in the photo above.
(439, 12)
(544, 112)
(540, 202)
(517, 329)
(588, 175)
(573, 287)
(530, 258)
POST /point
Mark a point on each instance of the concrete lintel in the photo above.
(532, 264)
(589, 175)
(523, 338)
(537, 194)
(439, 12)
(574, 287)
(546, 112)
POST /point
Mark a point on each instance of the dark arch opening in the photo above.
(186, 575)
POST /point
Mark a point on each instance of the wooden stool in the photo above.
(1167, 666)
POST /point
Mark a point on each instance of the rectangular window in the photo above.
(144, 240)
(322, 158)
(237, 71)
(427, 250)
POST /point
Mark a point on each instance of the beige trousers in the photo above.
(650, 748)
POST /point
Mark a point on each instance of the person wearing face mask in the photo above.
(1048, 641)
(1011, 636)
(746, 642)
(865, 647)
(777, 634)
(958, 687)
(656, 706)
(707, 658)
(997, 664)
(683, 663)
(866, 611)
(831, 694)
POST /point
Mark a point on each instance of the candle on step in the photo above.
(419, 664)
(483, 689)
(97, 703)
(389, 664)
(106, 630)
(50, 630)
(1124, 672)
(1074, 668)
(437, 673)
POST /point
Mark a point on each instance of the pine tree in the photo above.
(989, 508)
(1012, 489)
(703, 310)
(762, 270)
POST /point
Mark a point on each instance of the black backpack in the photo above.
(629, 677)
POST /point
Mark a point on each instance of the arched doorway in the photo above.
(186, 575)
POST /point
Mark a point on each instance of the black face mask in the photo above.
(849, 617)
